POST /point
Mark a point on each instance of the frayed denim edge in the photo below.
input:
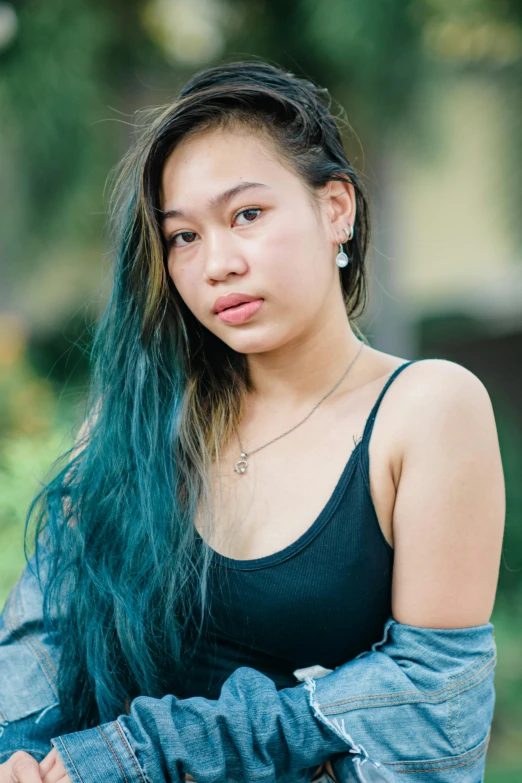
(360, 753)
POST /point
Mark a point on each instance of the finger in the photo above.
(56, 772)
(24, 768)
(48, 762)
(330, 771)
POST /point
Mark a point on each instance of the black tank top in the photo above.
(321, 600)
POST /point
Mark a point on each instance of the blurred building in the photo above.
(447, 251)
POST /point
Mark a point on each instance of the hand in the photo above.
(20, 768)
(24, 768)
(326, 767)
(330, 771)
(52, 770)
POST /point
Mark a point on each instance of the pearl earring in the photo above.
(341, 258)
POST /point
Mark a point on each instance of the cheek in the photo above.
(186, 285)
(295, 266)
(276, 254)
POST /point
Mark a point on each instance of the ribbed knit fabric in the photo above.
(321, 600)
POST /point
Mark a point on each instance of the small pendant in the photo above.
(242, 464)
(342, 259)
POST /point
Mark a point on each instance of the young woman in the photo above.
(236, 518)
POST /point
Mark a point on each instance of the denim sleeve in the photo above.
(29, 708)
(420, 702)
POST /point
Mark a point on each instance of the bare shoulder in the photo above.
(442, 377)
(437, 394)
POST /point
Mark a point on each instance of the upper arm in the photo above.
(449, 511)
(79, 445)
(84, 431)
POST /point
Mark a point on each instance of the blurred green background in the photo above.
(433, 93)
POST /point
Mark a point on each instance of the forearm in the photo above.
(252, 732)
(422, 697)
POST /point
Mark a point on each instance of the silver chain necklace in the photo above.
(242, 464)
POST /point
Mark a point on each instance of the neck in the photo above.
(297, 375)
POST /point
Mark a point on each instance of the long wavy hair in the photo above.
(126, 585)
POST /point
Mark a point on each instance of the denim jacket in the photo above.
(420, 703)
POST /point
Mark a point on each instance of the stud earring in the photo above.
(341, 258)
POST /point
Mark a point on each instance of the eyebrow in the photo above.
(215, 201)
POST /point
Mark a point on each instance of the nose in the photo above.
(223, 257)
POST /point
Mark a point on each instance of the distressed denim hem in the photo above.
(101, 753)
(334, 724)
(350, 765)
(356, 764)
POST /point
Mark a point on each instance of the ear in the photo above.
(340, 206)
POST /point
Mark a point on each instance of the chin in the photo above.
(252, 343)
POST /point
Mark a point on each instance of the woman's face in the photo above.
(263, 240)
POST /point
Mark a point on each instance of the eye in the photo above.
(171, 240)
(248, 209)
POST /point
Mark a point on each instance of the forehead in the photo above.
(209, 162)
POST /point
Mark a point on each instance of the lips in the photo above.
(241, 313)
(232, 300)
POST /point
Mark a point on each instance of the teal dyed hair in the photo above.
(126, 589)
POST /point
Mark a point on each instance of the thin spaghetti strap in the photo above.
(364, 453)
(368, 428)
